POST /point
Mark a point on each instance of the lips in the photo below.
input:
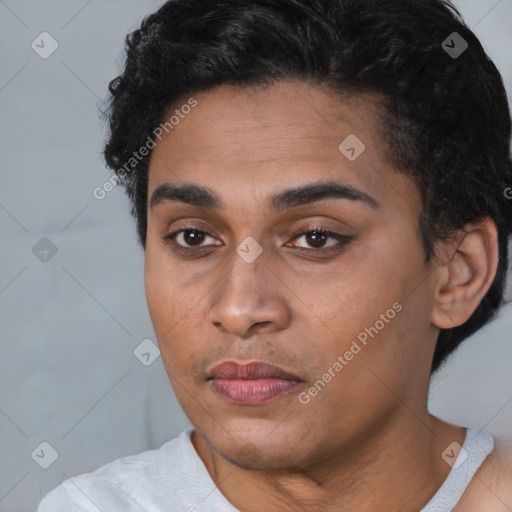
(251, 371)
(252, 383)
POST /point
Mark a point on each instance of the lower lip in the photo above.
(253, 392)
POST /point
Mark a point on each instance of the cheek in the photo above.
(161, 301)
(349, 297)
(166, 304)
(367, 311)
(177, 312)
(175, 332)
(160, 283)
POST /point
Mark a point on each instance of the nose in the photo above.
(249, 300)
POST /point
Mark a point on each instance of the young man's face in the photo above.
(351, 319)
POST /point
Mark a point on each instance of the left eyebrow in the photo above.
(319, 191)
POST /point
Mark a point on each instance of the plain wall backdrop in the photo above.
(70, 320)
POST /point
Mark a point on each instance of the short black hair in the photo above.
(446, 120)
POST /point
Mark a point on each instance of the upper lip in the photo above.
(251, 371)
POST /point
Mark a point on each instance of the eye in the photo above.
(186, 240)
(189, 237)
(317, 238)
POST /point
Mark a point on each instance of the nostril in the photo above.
(261, 324)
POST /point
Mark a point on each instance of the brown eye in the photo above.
(318, 238)
(189, 237)
(193, 236)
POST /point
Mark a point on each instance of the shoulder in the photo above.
(129, 484)
(490, 489)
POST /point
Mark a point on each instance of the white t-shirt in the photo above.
(175, 479)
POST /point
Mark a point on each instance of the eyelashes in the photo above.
(318, 237)
(195, 241)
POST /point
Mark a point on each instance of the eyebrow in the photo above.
(318, 191)
(202, 197)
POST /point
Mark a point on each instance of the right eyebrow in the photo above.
(193, 195)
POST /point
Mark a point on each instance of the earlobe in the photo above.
(468, 274)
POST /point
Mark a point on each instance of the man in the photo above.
(321, 230)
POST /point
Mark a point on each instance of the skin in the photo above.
(301, 307)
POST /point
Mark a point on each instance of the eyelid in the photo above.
(341, 239)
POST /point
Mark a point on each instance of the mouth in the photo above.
(252, 383)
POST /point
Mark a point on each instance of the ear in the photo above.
(467, 275)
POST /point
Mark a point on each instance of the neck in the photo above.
(397, 467)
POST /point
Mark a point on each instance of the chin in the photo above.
(258, 452)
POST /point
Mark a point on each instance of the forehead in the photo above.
(283, 134)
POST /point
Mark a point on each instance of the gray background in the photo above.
(69, 325)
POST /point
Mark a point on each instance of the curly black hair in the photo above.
(446, 119)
